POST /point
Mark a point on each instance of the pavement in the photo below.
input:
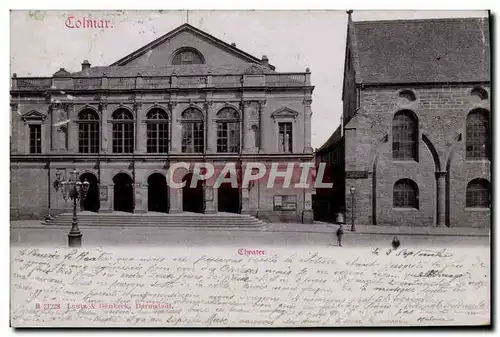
(31, 233)
(318, 227)
(380, 230)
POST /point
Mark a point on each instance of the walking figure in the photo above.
(340, 233)
(340, 230)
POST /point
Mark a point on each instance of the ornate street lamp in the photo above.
(353, 190)
(75, 190)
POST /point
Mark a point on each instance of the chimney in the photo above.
(85, 65)
(264, 61)
(233, 45)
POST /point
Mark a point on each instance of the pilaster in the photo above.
(211, 128)
(307, 213)
(307, 126)
(250, 197)
(175, 198)
(139, 194)
(264, 143)
(140, 129)
(175, 132)
(247, 137)
(111, 190)
(210, 199)
(105, 132)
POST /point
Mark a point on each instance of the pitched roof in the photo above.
(421, 51)
(179, 70)
(195, 31)
(334, 138)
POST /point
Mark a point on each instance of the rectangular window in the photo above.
(157, 138)
(35, 139)
(285, 202)
(228, 137)
(123, 138)
(88, 138)
(192, 137)
(285, 137)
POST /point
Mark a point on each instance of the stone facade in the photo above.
(441, 171)
(430, 71)
(261, 97)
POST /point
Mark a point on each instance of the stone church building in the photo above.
(416, 124)
(185, 97)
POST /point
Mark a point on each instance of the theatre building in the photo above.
(185, 97)
(417, 123)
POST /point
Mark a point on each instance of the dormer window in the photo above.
(187, 56)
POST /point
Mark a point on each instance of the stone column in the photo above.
(175, 129)
(307, 126)
(175, 199)
(105, 133)
(441, 198)
(210, 127)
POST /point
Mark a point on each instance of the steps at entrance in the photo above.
(150, 219)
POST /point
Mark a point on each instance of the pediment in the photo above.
(34, 115)
(284, 113)
(160, 52)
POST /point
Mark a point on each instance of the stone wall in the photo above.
(441, 111)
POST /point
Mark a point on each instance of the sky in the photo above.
(292, 40)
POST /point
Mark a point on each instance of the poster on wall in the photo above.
(103, 193)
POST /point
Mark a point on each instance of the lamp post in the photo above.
(353, 190)
(74, 189)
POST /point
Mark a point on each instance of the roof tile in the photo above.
(422, 51)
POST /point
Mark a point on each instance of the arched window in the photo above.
(157, 131)
(187, 56)
(228, 131)
(407, 96)
(478, 194)
(88, 131)
(123, 131)
(479, 92)
(405, 194)
(477, 135)
(193, 135)
(404, 136)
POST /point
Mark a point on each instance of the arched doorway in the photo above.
(228, 198)
(157, 193)
(123, 193)
(91, 202)
(192, 198)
